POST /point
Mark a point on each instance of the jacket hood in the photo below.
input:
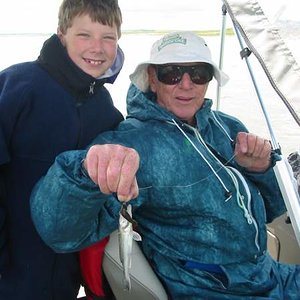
(56, 61)
(143, 106)
(112, 73)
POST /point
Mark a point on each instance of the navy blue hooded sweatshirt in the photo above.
(46, 107)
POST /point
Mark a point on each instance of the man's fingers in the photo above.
(91, 164)
(258, 147)
(252, 152)
(96, 166)
(134, 189)
(252, 145)
(241, 143)
(266, 149)
(127, 186)
(113, 168)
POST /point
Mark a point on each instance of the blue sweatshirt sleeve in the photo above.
(12, 97)
(68, 209)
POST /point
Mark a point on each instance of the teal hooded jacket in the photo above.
(196, 205)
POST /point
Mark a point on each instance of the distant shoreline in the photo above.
(212, 32)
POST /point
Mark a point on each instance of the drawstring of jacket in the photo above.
(230, 171)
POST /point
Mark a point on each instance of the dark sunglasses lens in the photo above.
(201, 74)
(168, 74)
(172, 74)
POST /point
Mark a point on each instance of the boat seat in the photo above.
(144, 282)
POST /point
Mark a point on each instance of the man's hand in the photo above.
(252, 152)
(113, 168)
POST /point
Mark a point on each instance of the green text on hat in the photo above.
(171, 39)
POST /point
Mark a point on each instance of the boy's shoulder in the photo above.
(23, 69)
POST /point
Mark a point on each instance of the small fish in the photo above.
(126, 236)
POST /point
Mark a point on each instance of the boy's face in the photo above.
(92, 46)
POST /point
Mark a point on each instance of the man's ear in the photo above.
(152, 78)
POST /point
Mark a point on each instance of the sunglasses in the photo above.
(172, 74)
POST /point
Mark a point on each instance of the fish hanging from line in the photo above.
(126, 237)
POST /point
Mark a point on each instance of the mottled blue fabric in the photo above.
(183, 209)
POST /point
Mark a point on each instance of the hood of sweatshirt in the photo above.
(56, 61)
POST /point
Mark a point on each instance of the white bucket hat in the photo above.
(176, 47)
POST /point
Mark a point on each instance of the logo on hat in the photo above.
(171, 39)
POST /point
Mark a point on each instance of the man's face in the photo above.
(183, 99)
(92, 46)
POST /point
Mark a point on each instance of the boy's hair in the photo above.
(106, 12)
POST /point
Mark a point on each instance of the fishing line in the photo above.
(190, 184)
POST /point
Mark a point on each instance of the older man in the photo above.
(202, 188)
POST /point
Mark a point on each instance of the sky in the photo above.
(40, 16)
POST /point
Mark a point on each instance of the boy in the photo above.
(47, 106)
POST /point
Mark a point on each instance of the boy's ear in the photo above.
(60, 36)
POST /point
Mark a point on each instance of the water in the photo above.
(238, 97)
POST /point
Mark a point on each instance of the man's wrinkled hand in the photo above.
(113, 168)
(252, 152)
